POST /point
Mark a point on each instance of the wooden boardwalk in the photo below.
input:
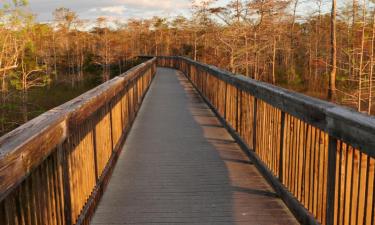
(180, 166)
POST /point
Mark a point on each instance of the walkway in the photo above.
(180, 166)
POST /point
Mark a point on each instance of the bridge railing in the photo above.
(318, 156)
(54, 168)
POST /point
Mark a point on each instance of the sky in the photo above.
(125, 9)
(118, 9)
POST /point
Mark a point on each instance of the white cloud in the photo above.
(114, 9)
(110, 9)
(158, 4)
(91, 9)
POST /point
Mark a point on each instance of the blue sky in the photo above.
(124, 9)
(121, 9)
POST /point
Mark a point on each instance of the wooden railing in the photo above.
(53, 169)
(317, 155)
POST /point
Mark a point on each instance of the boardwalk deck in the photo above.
(180, 166)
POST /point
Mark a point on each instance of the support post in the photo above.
(225, 101)
(281, 158)
(64, 156)
(255, 124)
(331, 180)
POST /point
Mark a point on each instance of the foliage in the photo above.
(268, 40)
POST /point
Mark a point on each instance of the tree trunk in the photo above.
(360, 72)
(274, 61)
(255, 57)
(317, 40)
(3, 115)
(195, 46)
(3, 83)
(311, 80)
(292, 40)
(371, 64)
(54, 54)
(3, 100)
(332, 77)
(353, 50)
(232, 68)
(25, 116)
(247, 72)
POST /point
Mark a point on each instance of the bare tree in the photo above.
(371, 73)
(332, 77)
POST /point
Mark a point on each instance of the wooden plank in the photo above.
(206, 181)
(23, 149)
(16, 164)
(331, 179)
(340, 122)
(306, 171)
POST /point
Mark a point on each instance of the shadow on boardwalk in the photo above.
(180, 166)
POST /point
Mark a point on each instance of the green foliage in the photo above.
(64, 17)
(295, 78)
(37, 79)
(340, 77)
(31, 72)
(20, 3)
(8, 106)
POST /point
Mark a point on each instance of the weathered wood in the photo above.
(298, 149)
(340, 122)
(50, 166)
(40, 137)
(188, 177)
(303, 215)
(281, 153)
(331, 179)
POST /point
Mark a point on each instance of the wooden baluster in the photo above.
(63, 155)
(238, 98)
(95, 154)
(255, 124)
(331, 179)
(281, 144)
(225, 101)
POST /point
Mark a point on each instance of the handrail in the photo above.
(319, 156)
(344, 123)
(53, 151)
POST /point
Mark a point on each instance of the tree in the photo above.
(65, 20)
(371, 73)
(332, 77)
(103, 46)
(12, 18)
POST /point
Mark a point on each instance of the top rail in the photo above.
(319, 156)
(341, 122)
(47, 145)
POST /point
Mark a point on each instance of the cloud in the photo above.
(91, 9)
(110, 9)
(157, 5)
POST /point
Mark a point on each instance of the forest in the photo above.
(327, 52)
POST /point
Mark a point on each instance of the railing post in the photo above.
(63, 157)
(237, 111)
(95, 153)
(331, 180)
(281, 158)
(225, 101)
(109, 107)
(202, 85)
(255, 124)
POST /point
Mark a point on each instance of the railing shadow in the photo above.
(54, 169)
(250, 193)
(169, 172)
